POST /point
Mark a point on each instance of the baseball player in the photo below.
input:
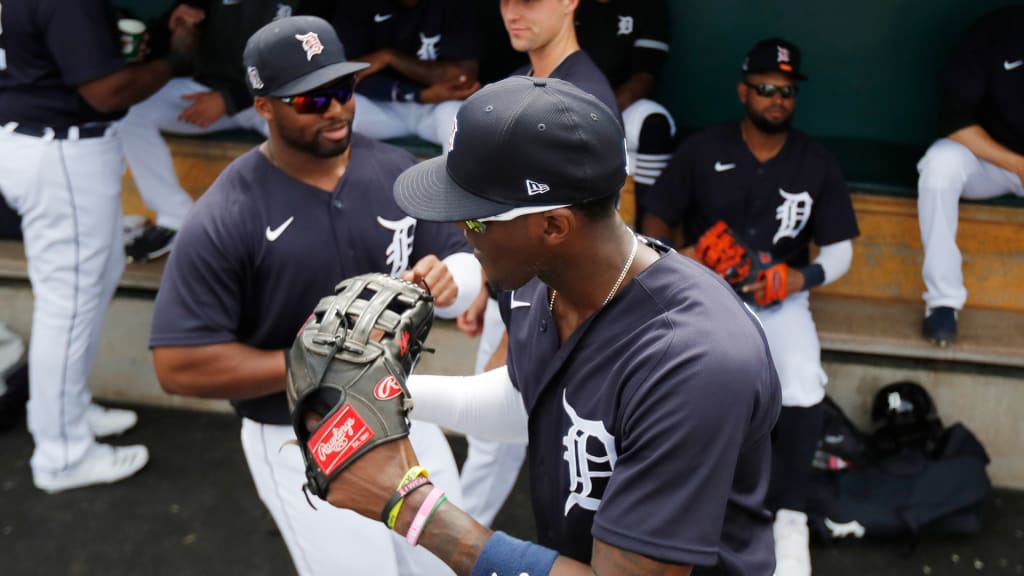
(981, 155)
(423, 57)
(214, 99)
(619, 354)
(628, 40)
(778, 191)
(63, 83)
(277, 230)
(544, 30)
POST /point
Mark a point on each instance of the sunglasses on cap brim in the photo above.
(319, 101)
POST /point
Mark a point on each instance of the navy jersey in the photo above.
(624, 37)
(47, 49)
(579, 70)
(649, 428)
(779, 207)
(260, 249)
(433, 30)
(984, 81)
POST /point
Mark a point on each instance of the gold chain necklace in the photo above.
(615, 287)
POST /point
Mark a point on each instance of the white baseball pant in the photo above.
(491, 468)
(68, 193)
(383, 120)
(949, 171)
(330, 540)
(148, 155)
(795, 349)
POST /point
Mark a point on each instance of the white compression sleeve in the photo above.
(485, 406)
(465, 269)
(835, 260)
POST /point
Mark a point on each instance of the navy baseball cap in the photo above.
(521, 143)
(773, 55)
(294, 55)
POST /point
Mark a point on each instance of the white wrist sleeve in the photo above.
(835, 260)
(485, 406)
(465, 269)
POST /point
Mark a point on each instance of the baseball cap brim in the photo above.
(426, 192)
(318, 78)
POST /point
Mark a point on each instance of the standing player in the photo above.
(545, 31)
(620, 353)
(62, 84)
(423, 57)
(628, 39)
(981, 155)
(214, 99)
(778, 191)
(277, 230)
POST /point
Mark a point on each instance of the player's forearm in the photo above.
(637, 86)
(982, 145)
(655, 227)
(230, 370)
(466, 271)
(486, 406)
(433, 72)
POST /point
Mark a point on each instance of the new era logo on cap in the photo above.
(534, 188)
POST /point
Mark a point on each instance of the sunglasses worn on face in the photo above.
(318, 102)
(769, 90)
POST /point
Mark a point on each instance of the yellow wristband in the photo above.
(394, 505)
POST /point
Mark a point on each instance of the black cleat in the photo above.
(939, 326)
(153, 243)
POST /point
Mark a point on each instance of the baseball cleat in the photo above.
(102, 464)
(153, 243)
(109, 421)
(939, 326)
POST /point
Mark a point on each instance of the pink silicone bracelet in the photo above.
(413, 535)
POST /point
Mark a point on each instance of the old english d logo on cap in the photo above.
(310, 43)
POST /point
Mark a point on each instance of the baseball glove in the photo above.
(719, 249)
(349, 364)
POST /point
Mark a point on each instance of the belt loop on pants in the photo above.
(69, 133)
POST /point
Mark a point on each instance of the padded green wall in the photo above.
(875, 65)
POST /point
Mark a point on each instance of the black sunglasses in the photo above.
(318, 102)
(769, 90)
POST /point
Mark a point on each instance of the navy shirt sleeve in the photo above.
(834, 218)
(669, 197)
(69, 27)
(200, 296)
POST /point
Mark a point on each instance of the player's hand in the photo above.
(367, 484)
(471, 321)
(458, 89)
(206, 108)
(185, 16)
(437, 276)
(794, 283)
(378, 61)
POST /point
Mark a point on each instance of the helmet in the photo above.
(904, 417)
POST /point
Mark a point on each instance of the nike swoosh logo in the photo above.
(834, 439)
(378, 18)
(518, 304)
(719, 167)
(276, 232)
(1012, 65)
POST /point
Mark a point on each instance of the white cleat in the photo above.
(109, 421)
(102, 464)
(792, 544)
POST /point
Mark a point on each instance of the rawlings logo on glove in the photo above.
(719, 249)
(347, 370)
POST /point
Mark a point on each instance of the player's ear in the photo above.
(263, 107)
(557, 225)
(742, 91)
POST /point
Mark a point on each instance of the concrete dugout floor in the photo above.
(194, 511)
